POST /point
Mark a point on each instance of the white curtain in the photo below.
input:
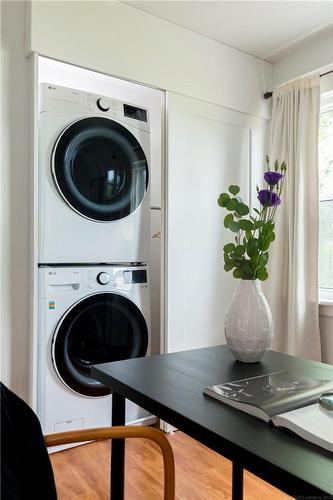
(292, 286)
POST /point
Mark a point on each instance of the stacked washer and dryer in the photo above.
(94, 244)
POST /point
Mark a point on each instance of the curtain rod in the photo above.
(268, 95)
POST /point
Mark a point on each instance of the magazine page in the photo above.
(274, 393)
(313, 423)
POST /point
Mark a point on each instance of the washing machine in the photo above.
(88, 315)
(94, 189)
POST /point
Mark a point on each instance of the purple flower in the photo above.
(272, 178)
(268, 198)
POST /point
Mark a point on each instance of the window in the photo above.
(326, 198)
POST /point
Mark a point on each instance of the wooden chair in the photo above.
(121, 433)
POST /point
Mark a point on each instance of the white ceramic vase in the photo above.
(248, 324)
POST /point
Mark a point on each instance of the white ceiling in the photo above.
(265, 29)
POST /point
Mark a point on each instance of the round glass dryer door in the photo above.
(100, 169)
(100, 328)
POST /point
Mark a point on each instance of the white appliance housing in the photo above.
(94, 178)
(87, 315)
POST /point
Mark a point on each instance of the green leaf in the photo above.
(242, 209)
(229, 247)
(227, 220)
(234, 189)
(255, 260)
(260, 243)
(239, 250)
(257, 224)
(246, 225)
(226, 258)
(234, 226)
(252, 247)
(222, 199)
(237, 273)
(264, 241)
(267, 227)
(256, 211)
(248, 234)
(231, 204)
(228, 266)
(262, 274)
(263, 244)
(263, 259)
(247, 270)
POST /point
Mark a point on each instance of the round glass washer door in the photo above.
(100, 169)
(100, 328)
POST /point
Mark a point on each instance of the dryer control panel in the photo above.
(54, 98)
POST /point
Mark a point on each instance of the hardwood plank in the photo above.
(201, 474)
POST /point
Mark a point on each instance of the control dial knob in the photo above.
(102, 104)
(103, 278)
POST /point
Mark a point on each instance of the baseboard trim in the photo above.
(150, 420)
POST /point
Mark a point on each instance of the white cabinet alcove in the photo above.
(209, 148)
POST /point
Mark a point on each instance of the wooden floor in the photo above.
(201, 474)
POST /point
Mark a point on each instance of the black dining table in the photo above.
(170, 386)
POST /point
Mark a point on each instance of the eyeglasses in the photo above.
(326, 401)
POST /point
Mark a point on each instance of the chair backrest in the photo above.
(122, 432)
(26, 470)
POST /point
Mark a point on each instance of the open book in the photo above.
(285, 399)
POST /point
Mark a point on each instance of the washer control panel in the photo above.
(121, 278)
(57, 281)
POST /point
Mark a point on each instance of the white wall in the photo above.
(120, 40)
(316, 54)
(326, 82)
(15, 198)
(209, 148)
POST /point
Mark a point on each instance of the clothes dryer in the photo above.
(94, 189)
(87, 315)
